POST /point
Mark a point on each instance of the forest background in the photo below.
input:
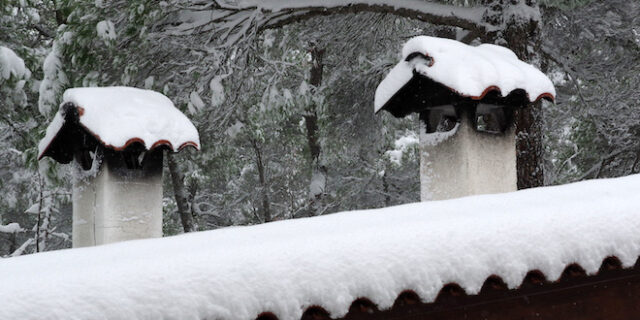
(282, 96)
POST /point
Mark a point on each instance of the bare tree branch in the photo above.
(547, 54)
(472, 35)
(44, 32)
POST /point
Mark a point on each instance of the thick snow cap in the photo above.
(468, 71)
(120, 116)
(329, 261)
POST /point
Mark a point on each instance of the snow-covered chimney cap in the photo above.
(470, 72)
(118, 117)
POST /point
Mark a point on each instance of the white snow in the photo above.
(285, 267)
(234, 129)
(468, 70)
(401, 145)
(34, 208)
(91, 79)
(521, 12)
(195, 103)
(149, 82)
(12, 65)
(115, 115)
(318, 184)
(106, 30)
(217, 91)
(473, 14)
(10, 228)
(395, 156)
(54, 78)
(407, 141)
(435, 138)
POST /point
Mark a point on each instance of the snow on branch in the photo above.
(236, 21)
(10, 228)
(22, 248)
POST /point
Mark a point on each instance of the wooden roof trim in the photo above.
(451, 291)
(491, 89)
(546, 95)
(44, 152)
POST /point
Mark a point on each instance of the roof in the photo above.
(463, 70)
(611, 294)
(117, 117)
(331, 261)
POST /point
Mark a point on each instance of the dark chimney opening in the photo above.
(487, 118)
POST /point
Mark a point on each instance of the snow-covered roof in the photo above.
(120, 116)
(468, 71)
(329, 261)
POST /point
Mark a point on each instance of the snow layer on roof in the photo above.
(470, 71)
(116, 116)
(285, 267)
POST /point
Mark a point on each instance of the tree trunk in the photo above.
(529, 134)
(530, 152)
(177, 180)
(385, 189)
(13, 245)
(318, 180)
(311, 119)
(264, 190)
(523, 38)
(40, 204)
(311, 122)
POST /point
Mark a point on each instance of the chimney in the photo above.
(466, 98)
(116, 137)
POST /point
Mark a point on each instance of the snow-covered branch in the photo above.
(22, 248)
(235, 21)
(10, 228)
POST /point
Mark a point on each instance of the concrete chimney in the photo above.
(466, 98)
(465, 161)
(116, 138)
